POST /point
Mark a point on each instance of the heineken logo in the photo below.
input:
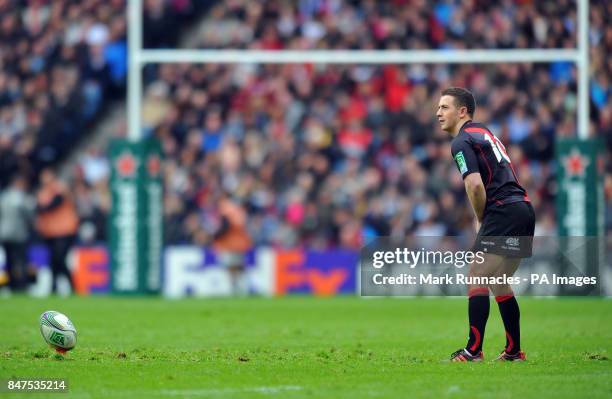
(136, 220)
(125, 251)
(126, 165)
(580, 198)
(574, 219)
(154, 166)
(575, 164)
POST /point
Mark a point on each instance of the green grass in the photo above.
(302, 347)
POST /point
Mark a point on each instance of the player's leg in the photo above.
(509, 311)
(478, 301)
(53, 263)
(11, 267)
(64, 246)
(234, 263)
(523, 226)
(478, 308)
(238, 277)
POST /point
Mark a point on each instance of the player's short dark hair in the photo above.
(463, 98)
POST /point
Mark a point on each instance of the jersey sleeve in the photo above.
(465, 157)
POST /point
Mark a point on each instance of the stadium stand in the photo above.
(413, 24)
(60, 62)
(327, 155)
(352, 155)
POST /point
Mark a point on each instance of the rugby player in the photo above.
(505, 220)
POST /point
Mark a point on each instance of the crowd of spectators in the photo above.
(318, 155)
(330, 155)
(393, 24)
(60, 63)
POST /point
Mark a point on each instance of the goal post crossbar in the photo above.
(357, 56)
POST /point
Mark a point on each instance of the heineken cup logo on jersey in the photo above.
(461, 165)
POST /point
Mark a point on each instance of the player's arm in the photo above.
(475, 190)
(466, 161)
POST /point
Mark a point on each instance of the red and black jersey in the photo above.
(476, 150)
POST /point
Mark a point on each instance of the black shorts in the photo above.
(507, 230)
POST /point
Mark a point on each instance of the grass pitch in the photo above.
(303, 347)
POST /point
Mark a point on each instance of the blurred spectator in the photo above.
(57, 223)
(163, 19)
(91, 195)
(231, 242)
(16, 216)
(95, 166)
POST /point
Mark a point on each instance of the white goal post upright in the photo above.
(138, 57)
(135, 50)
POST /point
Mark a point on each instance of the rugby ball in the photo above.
(58, 331)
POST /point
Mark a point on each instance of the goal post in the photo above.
(138, 57)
